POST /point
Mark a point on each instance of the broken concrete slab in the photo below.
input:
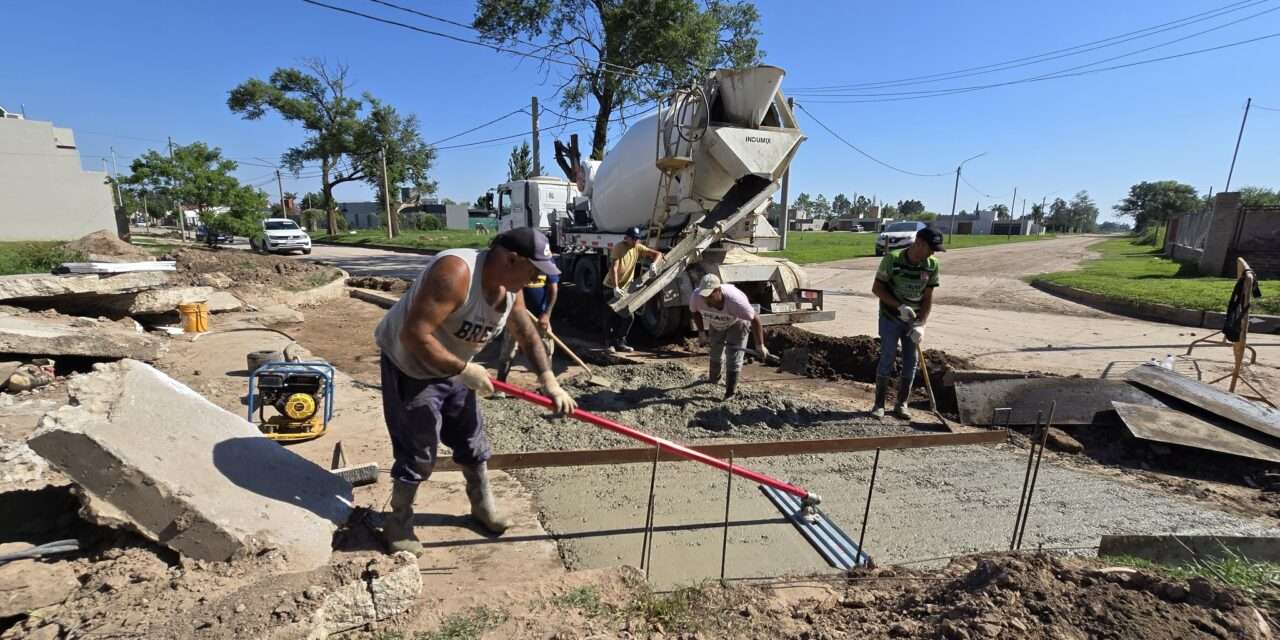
(44, 286)
(165, 301)
(390, 587)
(153, 455)
(1203, 431)
(1217, 401)
(956, 376)
(1080, 400)
(27, 585)
(56, 335)
(1060, 440)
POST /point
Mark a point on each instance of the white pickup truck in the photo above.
(281, 234)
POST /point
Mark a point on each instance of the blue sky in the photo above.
(128, 74)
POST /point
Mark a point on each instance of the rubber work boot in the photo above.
(730, 384)
(482, 507)
(882, 389)
(397, 526)
(900, 410)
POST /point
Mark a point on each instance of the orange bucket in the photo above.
(195, 316)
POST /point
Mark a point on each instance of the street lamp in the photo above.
(955, 192)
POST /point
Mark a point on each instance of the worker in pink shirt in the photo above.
(723, 314)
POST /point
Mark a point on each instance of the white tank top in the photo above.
(464, 333)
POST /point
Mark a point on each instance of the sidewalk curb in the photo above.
(1152, 311)
(373, 245)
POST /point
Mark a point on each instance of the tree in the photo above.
(861, 205)
(910, 207)
(1002, 212)
(840, 204)
(668, 43)
(1114, 227)
(347, 146)
(1037, 213)
(1154, 203)
(1084, 213)
(484, 202)
(821, 208)
(520, 164)
(1259, 197)
(195, 176)
(1059, 215)
(889, 211)
(804, 203)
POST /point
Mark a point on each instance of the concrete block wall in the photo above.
(1217, 245)
(45, 193)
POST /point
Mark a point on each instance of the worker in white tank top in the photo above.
(457, 305)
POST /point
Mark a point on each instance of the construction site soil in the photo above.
(229, 268)
(105, 246)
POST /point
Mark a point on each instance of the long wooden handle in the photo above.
(563, 346)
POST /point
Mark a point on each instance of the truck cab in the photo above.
(535, 202)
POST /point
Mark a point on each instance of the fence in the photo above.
(1257, 240)
(1187, 235)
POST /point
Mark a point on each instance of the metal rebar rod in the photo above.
(1026, 479)
(1026, 513)
(648, 513)
(728, 495)
(866, 512)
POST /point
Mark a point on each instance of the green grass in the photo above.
(438, 240)
(1259, 580)
(468, 625)
(34, 257)
(1136, 273)
(585, 599)
(809, 247)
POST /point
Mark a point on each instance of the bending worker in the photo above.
(460, 302)
(904, 284)
(539, 298)
(623, 258)
(722, 314)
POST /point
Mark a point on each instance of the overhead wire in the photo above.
(1054, 76)
(864, 153)
(1047, 56)
(478, 127)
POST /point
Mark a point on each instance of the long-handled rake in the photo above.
(797, 504)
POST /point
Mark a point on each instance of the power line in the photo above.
(1053, 76)
(1078, 67)
(478, 127)
(864, 153)
(1049, 55)
(976, 189)
(1265, 108)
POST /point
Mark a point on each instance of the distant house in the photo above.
(362, 215)
(800, 220)
(985, 223)
(47, 194)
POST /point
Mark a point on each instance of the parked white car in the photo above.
(897, 236)
(279, 235)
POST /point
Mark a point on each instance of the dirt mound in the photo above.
(852, 357)
(106, 246)
(380, 283)
(241, 268)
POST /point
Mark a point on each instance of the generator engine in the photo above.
(300, 393)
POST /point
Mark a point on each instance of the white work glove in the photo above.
(703, 339)
(764, 353)
(476, 378)
(917, 334)
(907, 314)
(564, 403)
(618, 293)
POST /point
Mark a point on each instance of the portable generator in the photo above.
(301, 393)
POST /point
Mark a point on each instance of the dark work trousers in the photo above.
(421, 414)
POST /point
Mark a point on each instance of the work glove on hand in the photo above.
(764, 353)
(917, 333)
(907, 314)
(618, 293)
(476, 378)
(703, 339)
(564, 403)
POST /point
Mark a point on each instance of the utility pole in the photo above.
(956, 192)
(1022, 219)
(386, 197)
(537, 158)
(146, 215)
(182, 222)
(1235, 153)
(284, 210)
(115, 170)
(1043, 214)
(786, 183)
(1008, 227)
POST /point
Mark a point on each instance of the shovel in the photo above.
(928, 385)
(592, 378)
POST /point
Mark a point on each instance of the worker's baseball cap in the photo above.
(528, 242)
(708, 283)
(634, 233)
(933, 237)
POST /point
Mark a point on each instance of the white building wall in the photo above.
(44, 192)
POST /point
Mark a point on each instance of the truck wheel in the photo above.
(587, 276)
(662, 321)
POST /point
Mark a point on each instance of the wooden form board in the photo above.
(1216, 401)
(591, 457)
(1175, 427)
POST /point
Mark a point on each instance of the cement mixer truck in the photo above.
(697, 177)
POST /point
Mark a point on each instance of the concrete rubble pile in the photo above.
(149, 454)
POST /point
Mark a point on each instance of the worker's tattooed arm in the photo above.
(520, 324)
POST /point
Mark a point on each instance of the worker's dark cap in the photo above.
(528, 242)
(634, 233)
(933, 237)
